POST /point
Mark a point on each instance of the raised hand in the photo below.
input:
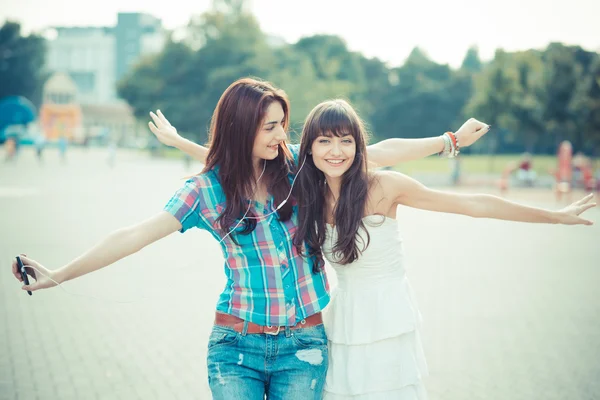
(163, 130)
(470, 132)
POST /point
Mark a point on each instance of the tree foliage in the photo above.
(534, 99)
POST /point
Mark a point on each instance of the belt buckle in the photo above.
(274, 333)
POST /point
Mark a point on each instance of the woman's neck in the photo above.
(334, 185)
(259, 167)
(259, 187)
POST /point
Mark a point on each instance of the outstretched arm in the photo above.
(114, 247)
(410, 192)
(390, 152)
(167, 134)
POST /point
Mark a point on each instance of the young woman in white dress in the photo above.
(347, 215)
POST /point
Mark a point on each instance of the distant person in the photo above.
(112, 153)
(523, 170)
(10, 149)
(455, 171)
(525, 173)
(564, 172)
(62, 148)
(583, 172)
(40, 144)
(187, 162)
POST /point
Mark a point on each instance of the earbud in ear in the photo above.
(310, 153)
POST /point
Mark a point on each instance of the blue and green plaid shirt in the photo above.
(268, 282)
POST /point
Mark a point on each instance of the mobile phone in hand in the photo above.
(21, 267)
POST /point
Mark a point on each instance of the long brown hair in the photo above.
(334, 117)
(235, 122)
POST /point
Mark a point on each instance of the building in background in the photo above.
(95, 59)
(109, 123)
(88, 56)
(135, 35)
(60, 114)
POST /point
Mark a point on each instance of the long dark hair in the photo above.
(334, 117)
(235, 122)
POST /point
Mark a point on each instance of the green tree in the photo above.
(526, 110)
(294, 72)
(338, 72)
(561, 74)
(585, 106)
(472, 63)
(21, 63)
(424, 99)
(220, 46)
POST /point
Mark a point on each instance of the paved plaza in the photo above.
(511, 311)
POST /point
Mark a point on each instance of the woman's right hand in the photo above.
(163, 130)
(44, 278)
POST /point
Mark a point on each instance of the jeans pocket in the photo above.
(314, 336)
(222, 336)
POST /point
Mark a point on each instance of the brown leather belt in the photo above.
(237, 324)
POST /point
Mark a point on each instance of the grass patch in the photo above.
(475, 164)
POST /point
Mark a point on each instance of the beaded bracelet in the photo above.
(447, 145)
(455, 145)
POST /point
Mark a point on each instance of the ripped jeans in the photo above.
(289, 366)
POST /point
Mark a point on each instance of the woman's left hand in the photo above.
(570, 214)
(470, 132)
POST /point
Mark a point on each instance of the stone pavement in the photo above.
(511, 311)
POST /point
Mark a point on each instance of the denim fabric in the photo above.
(289, 366)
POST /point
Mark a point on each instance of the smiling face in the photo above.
(333, 147)
(335, 136)
(333, 154)
(271, 133)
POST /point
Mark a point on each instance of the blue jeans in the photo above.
(289, 366)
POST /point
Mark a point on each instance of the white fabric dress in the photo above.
(372, 322)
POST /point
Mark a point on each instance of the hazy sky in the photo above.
(385, 29)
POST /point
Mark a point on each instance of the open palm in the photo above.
(162, 129)
(570, 215)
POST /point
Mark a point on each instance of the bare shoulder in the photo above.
(381, 191)
(396, 185)
(388, 179)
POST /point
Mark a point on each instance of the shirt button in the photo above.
(287, 286)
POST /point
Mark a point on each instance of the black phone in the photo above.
(23, 273)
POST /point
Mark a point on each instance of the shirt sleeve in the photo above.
(186, 204)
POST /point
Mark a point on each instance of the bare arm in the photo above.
(390, 152)
(167, 134)
(112, 248)
(410, 192)
(192, 149)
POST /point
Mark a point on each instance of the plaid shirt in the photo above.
(268, 282)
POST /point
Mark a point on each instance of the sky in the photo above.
(386, 29)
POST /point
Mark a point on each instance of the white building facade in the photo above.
(97, 57)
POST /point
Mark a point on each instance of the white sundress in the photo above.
(372, 322)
